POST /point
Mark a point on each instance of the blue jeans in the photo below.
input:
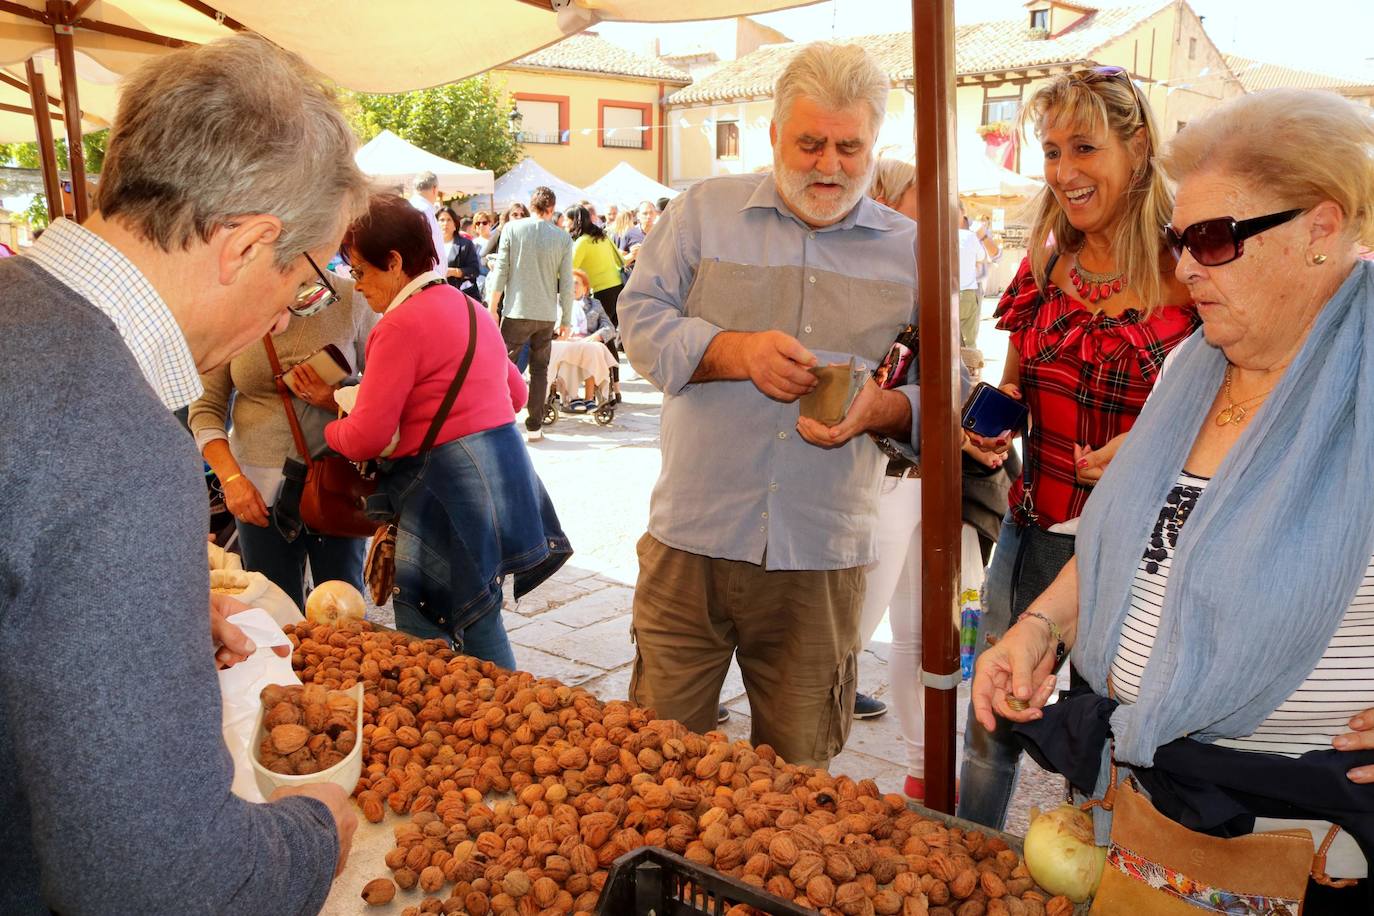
(484, 638)
(267, 552)
(992, 760)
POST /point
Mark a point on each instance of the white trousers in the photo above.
(894, 586)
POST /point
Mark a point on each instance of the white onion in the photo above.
(1061, 853)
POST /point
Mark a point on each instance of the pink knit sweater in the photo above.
(412, 355)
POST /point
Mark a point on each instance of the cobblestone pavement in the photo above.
(576, 627)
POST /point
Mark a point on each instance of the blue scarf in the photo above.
(1272, 554)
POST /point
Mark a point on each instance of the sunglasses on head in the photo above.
(1105, 73)
(314, 295)
(1213, 242)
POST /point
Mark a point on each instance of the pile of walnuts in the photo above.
(309, 729)
(522, 792)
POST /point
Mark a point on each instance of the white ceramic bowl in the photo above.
(344, 774)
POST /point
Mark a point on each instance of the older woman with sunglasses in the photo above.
(1223, 588)
(1092, 312)
(247, 455)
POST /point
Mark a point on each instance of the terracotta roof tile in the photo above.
(594, 54)
(1256, 75)
(979, 48)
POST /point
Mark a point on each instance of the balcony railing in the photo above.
(530, 136)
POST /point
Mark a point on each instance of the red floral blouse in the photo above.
(1085, 377)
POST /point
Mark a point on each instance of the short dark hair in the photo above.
(391, 224)
(542, 200)
(465, 223)
(662, 204)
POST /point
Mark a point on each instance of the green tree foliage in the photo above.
(465, 122)
(25, 156)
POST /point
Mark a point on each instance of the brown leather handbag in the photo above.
(1155, 865)
(334, 497)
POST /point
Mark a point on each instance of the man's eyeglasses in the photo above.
(314, 295)
(1213, 242)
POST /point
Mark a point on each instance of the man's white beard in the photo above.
(796, 190)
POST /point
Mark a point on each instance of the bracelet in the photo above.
(230, 479)
(1056, 634)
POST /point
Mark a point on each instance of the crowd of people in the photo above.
(1187, 331)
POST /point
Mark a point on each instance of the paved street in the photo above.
(576, 627)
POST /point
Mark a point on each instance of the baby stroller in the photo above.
(571, 363)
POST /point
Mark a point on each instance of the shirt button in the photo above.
(765, 515)
(813, 235)
(763, 527)
(782, 435)
(807, 329)
(811, 279)
(773, 487)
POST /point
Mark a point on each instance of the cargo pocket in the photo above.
(838, 714)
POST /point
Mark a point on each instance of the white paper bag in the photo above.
(240, 689)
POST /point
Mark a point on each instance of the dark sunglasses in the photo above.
(1213, 242)
(1105, 73)
(314, 295)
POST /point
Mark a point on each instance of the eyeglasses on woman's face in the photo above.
(1218, 241)
(314, 295)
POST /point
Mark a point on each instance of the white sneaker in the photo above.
(534, 435)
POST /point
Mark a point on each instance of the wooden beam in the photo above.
(932, 29)
(28, 12)
(71, 107)
(18, 109)
(76, 10)
(152, 38)
(22, 86)
(47, 155)
(216, 15)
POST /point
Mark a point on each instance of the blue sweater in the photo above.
(114, 777)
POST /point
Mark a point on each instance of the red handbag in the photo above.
(334, 498)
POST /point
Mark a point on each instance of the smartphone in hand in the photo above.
(990, 412)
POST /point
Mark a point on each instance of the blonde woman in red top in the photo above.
(1092, 312)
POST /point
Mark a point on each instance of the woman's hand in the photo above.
(456, 272)
(1089, 464)
(306, 384)
(1021, 664)
(987, 459)
(1361, 739)
(244, 501)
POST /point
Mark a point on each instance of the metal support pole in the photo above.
(71, 106)
(932, 26)
(38, 100)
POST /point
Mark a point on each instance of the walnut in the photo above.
(431, 878)
(477, 903)
(838, 867)
(379, 891)
(887, 902)
(517, 883)
(992, 885)
(781, 886)
(820, 890)
(1058, 906)
(287, 739)
(943, 867)
(808, 866)
(283, 713)
(782, 849)
(850, 898)
(964, 883)
(938, 892)
(406, 878)
(971, 908)
(544, 891)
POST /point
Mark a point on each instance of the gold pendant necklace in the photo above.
(1235, 412)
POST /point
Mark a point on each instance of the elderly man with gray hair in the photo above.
(762, 520)
(229, 179)
(426, 200)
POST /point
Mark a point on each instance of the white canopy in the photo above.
(515, 186)
(626, 186)
(394, 46)
(391, 160)
(979, 176)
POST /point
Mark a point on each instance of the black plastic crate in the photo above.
(655, 882)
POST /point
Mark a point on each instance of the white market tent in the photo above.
(516, 186)
(626, 186)
(979, 176)
(390, 160)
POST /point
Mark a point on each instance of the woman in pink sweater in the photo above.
(470, 507)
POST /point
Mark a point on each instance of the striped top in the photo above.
(1341, 686)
